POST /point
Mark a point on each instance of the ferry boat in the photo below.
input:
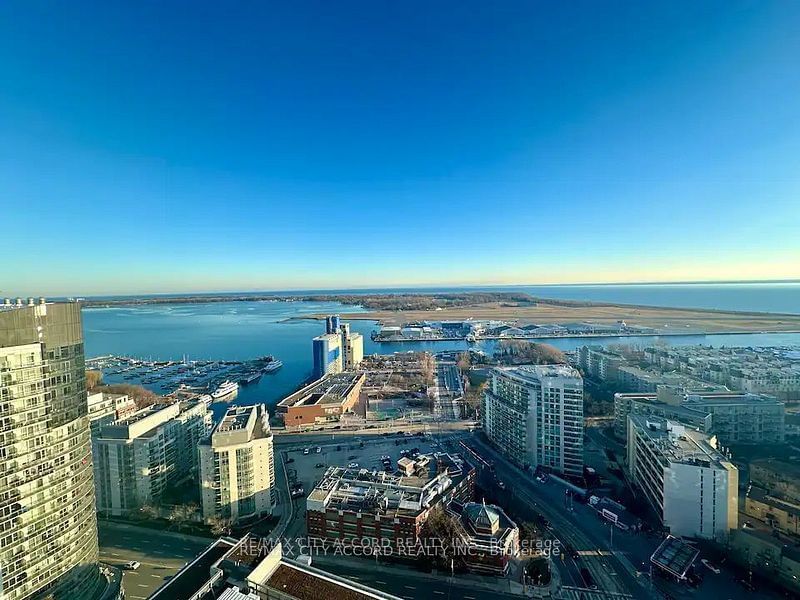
(250, 378)
(272, 366)
(227, 390)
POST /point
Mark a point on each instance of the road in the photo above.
(580, 529)
(162, 554)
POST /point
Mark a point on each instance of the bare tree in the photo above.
(93, 379)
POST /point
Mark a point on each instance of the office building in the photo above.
(691, 486)
(138, 457)
(48, 524)
(384, 507)
(237, 470)
(324, 400)
(534, 415)
(734, 417)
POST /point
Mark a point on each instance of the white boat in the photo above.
(227, 390)
(272, 366)
(250, 378)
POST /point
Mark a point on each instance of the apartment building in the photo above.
(105, 408)
(742, 418)
(599, 363)
(534, 415)
(653, 405)
(734, 417)
(690, 485)
(138, 457)
(237, 470)
(48, 524)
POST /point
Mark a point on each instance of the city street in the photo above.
(161, 554)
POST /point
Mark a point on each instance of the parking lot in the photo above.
(306, 469)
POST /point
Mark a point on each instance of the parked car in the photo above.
(132, 565)
(305, 451)
(352, 465)
(319, 465)
(289, 460)
(318, 450)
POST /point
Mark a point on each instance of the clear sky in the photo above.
(187, 146)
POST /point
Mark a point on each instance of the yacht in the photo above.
(227, 390)
(250, 377)
(272, 366)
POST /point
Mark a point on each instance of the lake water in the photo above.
(246, 330)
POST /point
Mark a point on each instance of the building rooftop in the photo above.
(762, 495)
(330, 389)
(678, 443)
(674, 556)
(535, 373)
(379, 492)
(240, 424)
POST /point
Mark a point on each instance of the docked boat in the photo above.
(227, 390)
(250, 378)
(272, 366)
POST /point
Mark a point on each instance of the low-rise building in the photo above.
(326, 399)
(253, 568)
(237, 471)
(691, 486)
(782, 477)
(136, 458)
(488, 539)
(776, 512)
(386, 508)
(774, 558)
(534, 415)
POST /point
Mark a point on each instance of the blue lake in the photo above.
(246, 330)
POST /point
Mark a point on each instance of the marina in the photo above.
(218, 378)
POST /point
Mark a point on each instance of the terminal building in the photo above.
(237, 469)
(689, 483)
(734, 417)
(324, 400)
(534, 415)
(138, 457)
(48, 523)
(387, 508)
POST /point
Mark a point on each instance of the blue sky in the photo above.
(189, 146)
